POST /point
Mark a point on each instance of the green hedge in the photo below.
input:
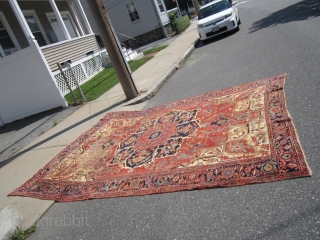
(182, 23)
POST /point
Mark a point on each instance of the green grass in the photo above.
(135, 64)
(21, 235)
(102, 82)
(153, 50)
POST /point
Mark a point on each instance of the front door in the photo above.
(57, 29)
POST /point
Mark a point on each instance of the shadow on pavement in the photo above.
(5, 162)
(303, 10)
(19, 124)
(19, 133)
(287, 224)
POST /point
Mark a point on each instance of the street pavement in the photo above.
(275, 37)
(23, 211)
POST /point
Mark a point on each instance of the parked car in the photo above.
(217, 17)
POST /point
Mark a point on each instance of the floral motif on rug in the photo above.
(231, 137)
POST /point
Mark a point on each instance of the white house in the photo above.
(137, 21)
(34, 36)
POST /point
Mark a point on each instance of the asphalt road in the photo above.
(275, 37)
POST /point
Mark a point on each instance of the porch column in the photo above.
(84, 17)
(22, 21)
(59, 19)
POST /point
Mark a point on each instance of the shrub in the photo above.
(172, 16)
(182, 23)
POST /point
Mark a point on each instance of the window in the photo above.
(134, 16)
(160, 5)
(35, 27)
(8, 43)
(35, 30)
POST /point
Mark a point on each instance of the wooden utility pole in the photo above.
(196, 6)
(100, 16)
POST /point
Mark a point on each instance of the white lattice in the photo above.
(83, 69)
(79, 74)
(92, 65)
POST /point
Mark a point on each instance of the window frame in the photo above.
(129, 3)
(160, 3)
(10, 32)
(32, 13)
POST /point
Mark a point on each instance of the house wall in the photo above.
(145, 38)
(27, 85)
(121, 21)
(73, 50)
(40, 7)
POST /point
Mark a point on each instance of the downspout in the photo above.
(159, 18)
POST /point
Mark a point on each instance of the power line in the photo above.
(115, 5)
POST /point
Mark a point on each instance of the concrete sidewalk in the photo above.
(23, 211)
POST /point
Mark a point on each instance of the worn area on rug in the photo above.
(231, 137)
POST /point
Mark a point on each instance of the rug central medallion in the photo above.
(224, 129)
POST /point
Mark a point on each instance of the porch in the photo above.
(34, 37)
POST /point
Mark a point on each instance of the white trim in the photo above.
(21, 19)
(52, 14)
(59, 19)
(34, 15)
(97, 53)
(129, 3)
(84, 16)
(9, 30)
(74, 14)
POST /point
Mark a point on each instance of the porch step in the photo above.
(129, 54)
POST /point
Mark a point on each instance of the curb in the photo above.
(162, 80)
(10, 220)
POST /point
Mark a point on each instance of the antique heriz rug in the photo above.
(236, 136)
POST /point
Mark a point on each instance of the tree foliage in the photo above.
(183, 4)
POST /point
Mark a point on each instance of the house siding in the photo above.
(121, 21)
(40, 7)
(72, 50)
(27, 86)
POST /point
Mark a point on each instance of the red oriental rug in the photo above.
(236, 136)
